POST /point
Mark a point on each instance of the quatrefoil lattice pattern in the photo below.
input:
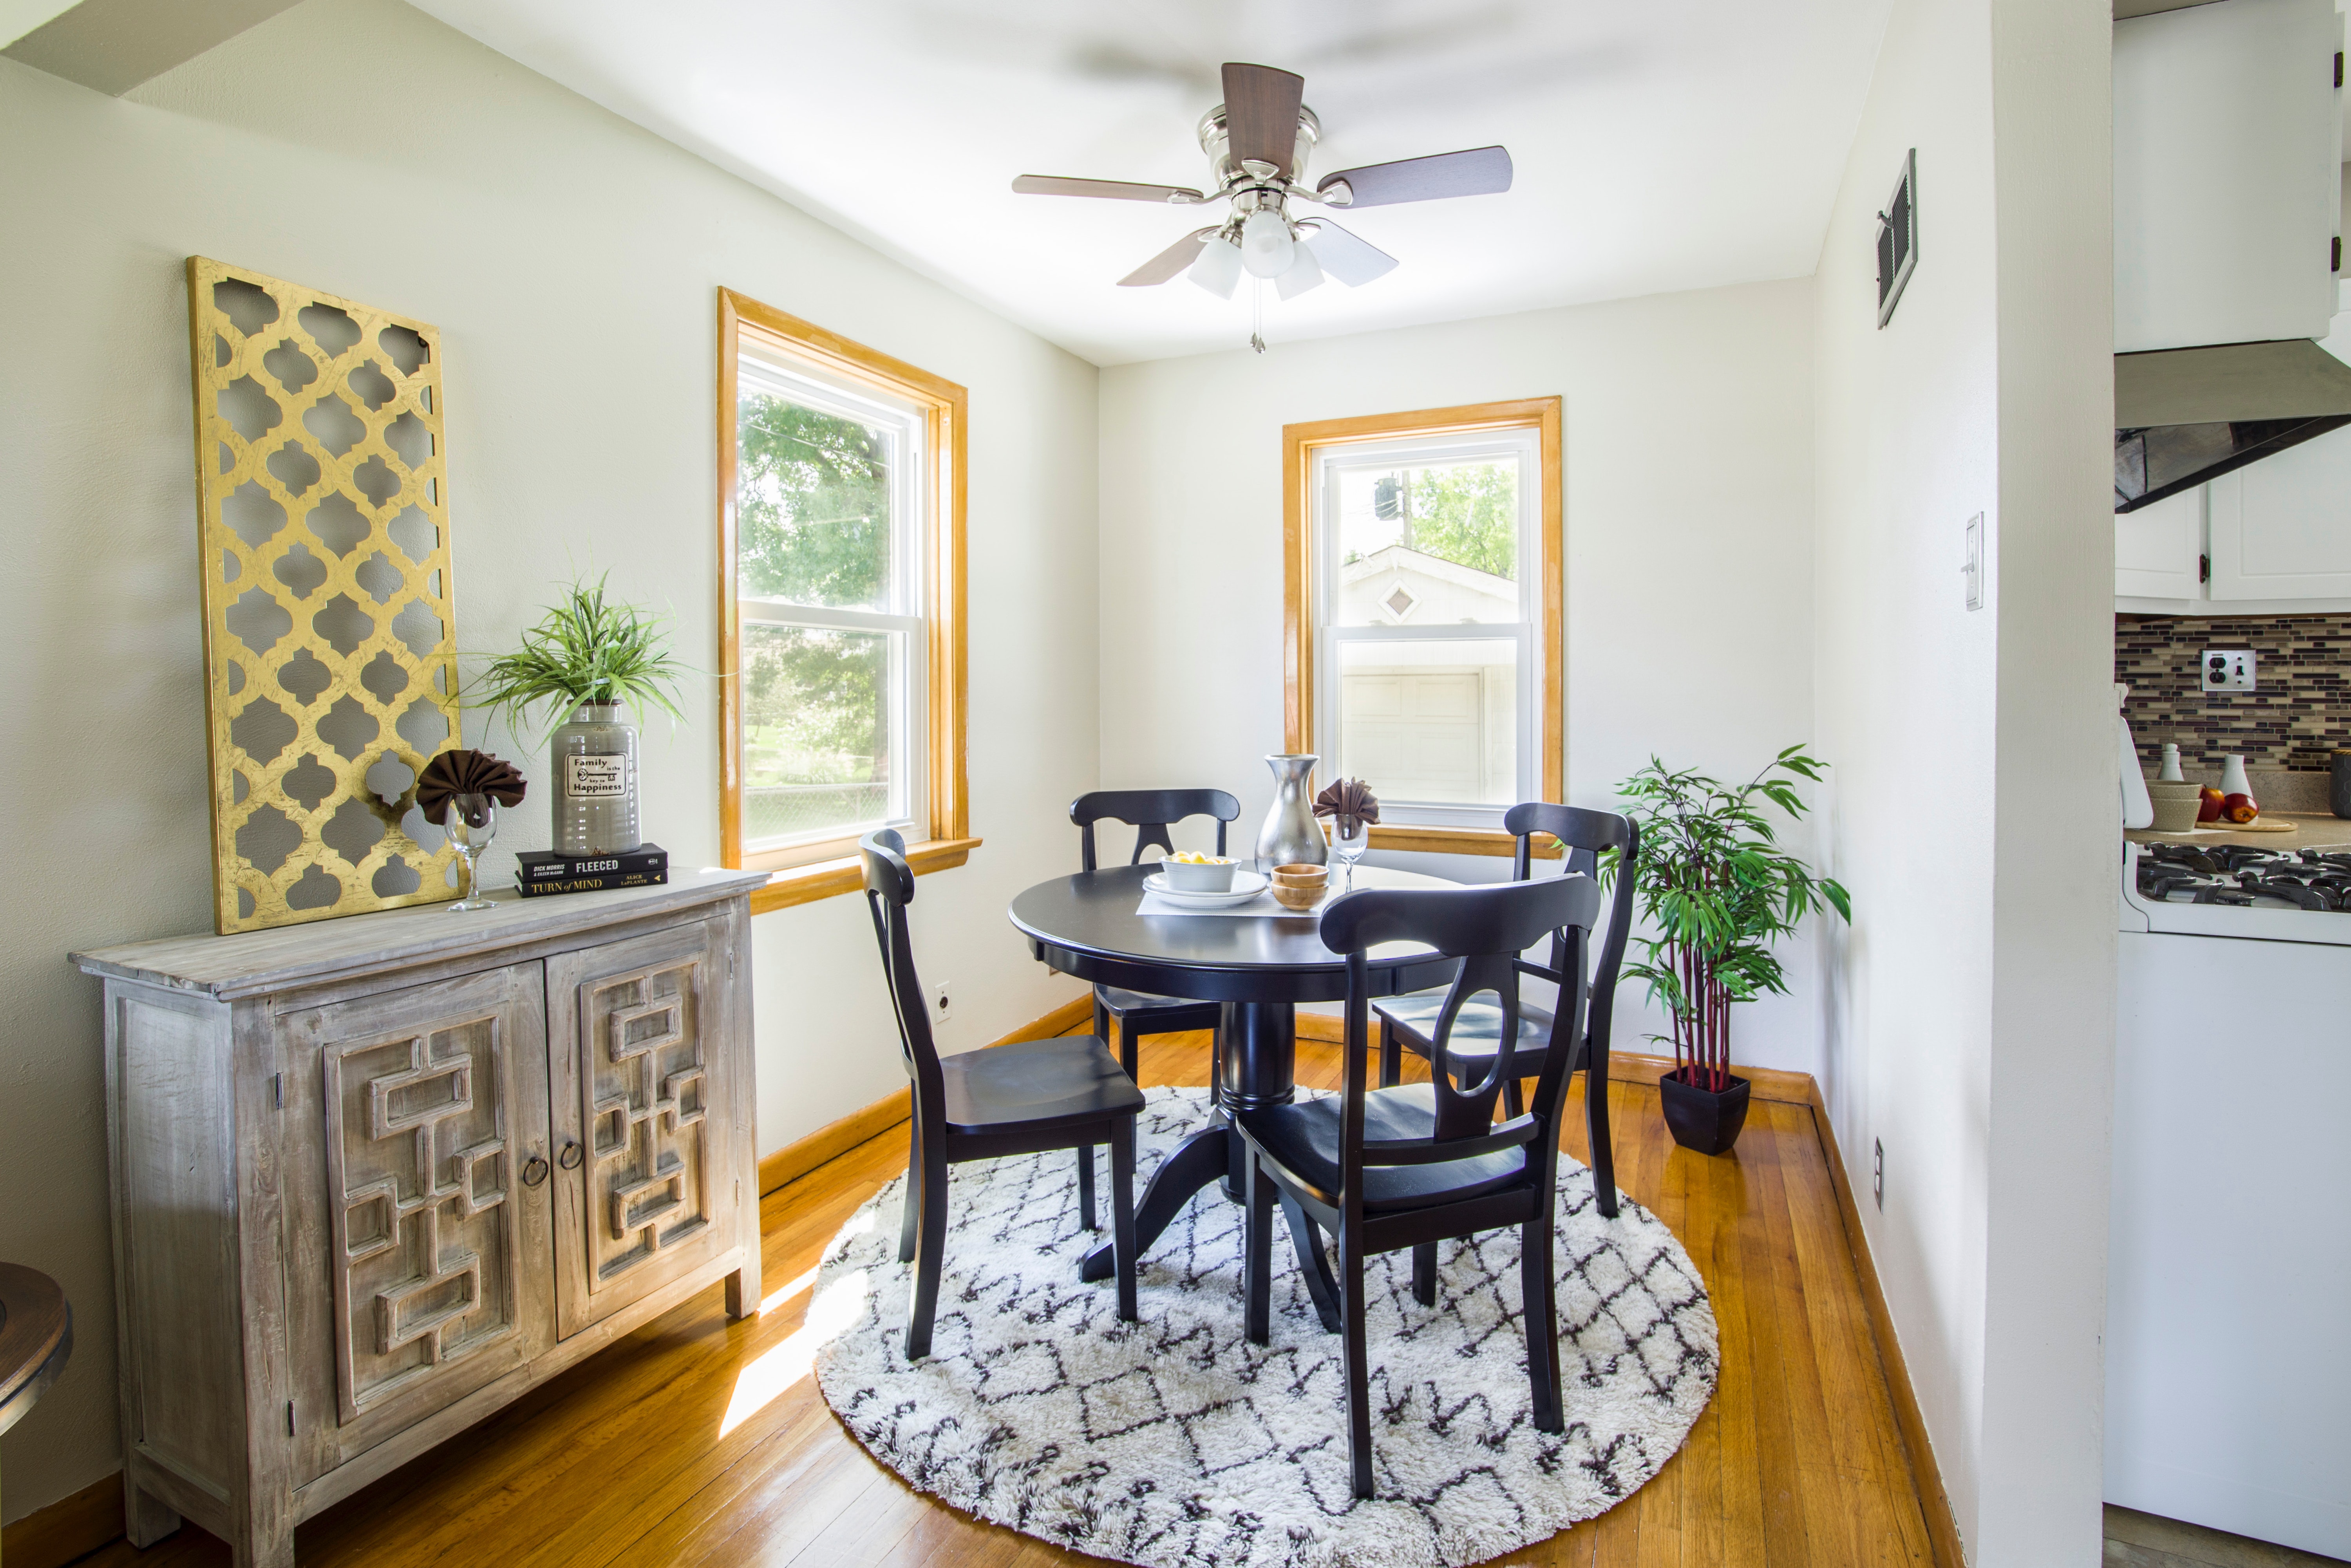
(330, 624)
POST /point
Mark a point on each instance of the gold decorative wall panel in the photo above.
(329, 628)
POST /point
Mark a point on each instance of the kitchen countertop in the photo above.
(2314, 831)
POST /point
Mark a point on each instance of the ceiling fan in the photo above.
(1257, 141)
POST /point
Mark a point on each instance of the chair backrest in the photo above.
(1150, 813)
(1488, 928)
(1586, 835)
(889, 888)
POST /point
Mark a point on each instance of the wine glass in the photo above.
(1350, 837)
(472, 821)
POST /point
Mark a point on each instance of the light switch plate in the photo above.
(2227, 669)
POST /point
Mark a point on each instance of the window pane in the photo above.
(1430, 721)
(813, 497)
(1429, 545)
(819, 731)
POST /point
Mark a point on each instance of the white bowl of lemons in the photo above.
(1192, 871)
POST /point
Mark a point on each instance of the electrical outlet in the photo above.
(941, 1004)
(2228, 669)
(1877, 1172)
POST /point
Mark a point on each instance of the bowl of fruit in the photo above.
(1192, 871)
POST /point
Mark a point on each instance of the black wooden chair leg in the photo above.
(1391, 1059)
(1122, 1214)
(1102, 1018)
(1596, 1127)
(930, 1252)
(1086, 1187)
(1358, 1360)
(1129, 1040)
(1541, 1316)
(910, 1206)
(1424, 1273)
(1257, 1252)
(1513, 1102)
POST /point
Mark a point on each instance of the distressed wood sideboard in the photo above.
(374, 1178)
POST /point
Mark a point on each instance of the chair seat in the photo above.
(1476, 1029)
(1143, 1005)
(1037, 1083)
(1303, 1138)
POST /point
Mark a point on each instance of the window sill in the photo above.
(824, 879)
(1451, 841)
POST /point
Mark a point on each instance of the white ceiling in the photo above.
(1661, 144)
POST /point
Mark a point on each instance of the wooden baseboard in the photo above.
(796, 1159)
(1801, 1089)
(1942, 1526)
(72, 1527)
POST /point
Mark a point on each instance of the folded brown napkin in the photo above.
(454, 773)
(1350, 801)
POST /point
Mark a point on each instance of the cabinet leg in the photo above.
(145, 1520)
(739, 1303)
(268, 1548)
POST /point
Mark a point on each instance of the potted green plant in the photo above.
(589, 657)
(1720, 891)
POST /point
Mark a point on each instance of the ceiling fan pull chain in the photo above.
(1257, 314)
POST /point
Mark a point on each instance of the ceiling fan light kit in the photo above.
(1257, 141)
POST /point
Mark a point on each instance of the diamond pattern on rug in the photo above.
(1175, 1441)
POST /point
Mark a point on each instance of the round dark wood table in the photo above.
(36, 1338)
(1260, 968)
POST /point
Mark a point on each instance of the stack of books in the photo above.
(541, 871)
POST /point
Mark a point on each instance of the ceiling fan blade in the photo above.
(1169, 263)
(1481, 171)
(1115, 190)
(1261, 115)
(1349, 258)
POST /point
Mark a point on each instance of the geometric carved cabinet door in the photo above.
(643, 1116)
(431, 1126)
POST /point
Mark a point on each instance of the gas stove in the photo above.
(2234, 890)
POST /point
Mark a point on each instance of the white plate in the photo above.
(1247, 884)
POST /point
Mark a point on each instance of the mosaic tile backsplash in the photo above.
(2299, 709)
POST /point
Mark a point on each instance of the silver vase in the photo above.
(595, 766)
(1290, 835)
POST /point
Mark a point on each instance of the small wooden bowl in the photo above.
(1300, 886)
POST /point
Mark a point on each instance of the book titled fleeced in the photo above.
(547, 886)
(548, 865)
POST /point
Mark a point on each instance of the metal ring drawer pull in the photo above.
(571, 1157)
(534, 1171)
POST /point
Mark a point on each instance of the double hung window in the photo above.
(1424, 614)
(841, 643)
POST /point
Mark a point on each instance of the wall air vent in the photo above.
(1898, 238)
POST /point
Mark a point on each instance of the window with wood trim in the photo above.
(1424, 586)
(840, 503)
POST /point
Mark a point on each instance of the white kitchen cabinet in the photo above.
(2226, 179)
(2281, 528)
(2159, 550)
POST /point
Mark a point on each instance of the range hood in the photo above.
(2185, 415)
(2228, 187)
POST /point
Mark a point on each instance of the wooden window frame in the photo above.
(805, 872)
(1301, 443)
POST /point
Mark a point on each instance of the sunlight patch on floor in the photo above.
(787, 1292)
(765, 1380)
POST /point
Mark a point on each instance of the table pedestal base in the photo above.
(1257, 1045)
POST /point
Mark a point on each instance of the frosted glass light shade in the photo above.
(1217, 268)
(1266, 247)
(1305, 272)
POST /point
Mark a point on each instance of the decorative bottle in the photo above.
(1290, 835)
(594, 761)
(2171, 773)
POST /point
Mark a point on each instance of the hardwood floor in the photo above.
(695, 1441)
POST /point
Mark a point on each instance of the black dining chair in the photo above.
(1408, 1022)
(1151, 813)
(1412, 1165)
(1038, 1095)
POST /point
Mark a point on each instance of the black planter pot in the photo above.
(1704, 1120)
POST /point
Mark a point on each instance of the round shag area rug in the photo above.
(1174, 1440)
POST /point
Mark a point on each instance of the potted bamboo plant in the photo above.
(587, 660)
(1720, 891)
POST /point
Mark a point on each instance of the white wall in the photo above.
(1970, 1009)
(571, 261)
(1688, 459)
